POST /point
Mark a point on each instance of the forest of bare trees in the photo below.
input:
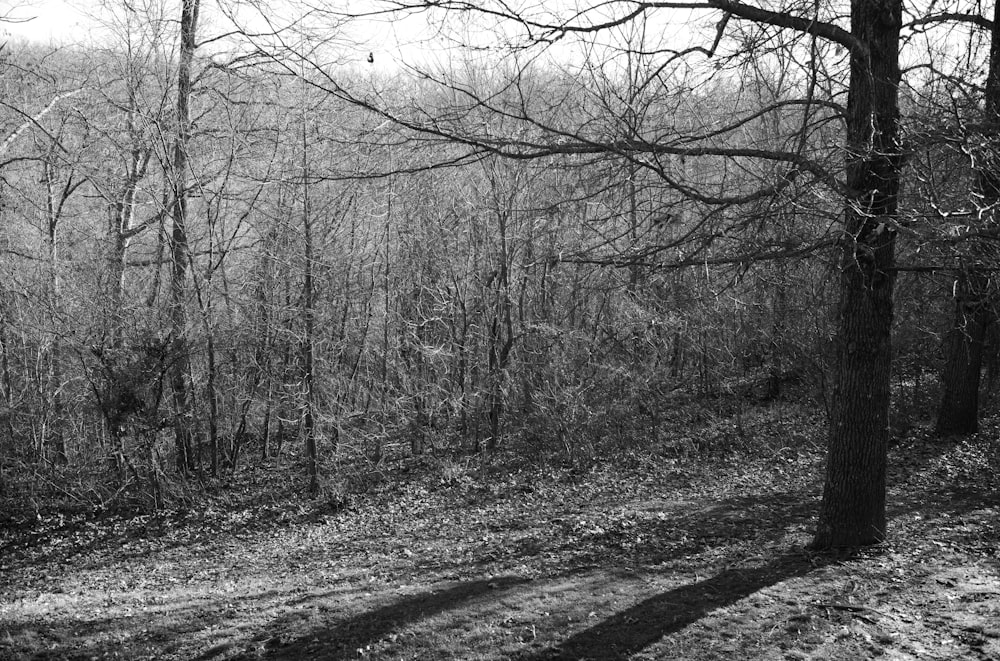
(274, 239)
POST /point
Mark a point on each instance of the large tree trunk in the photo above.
(853, 508)
(959, 412)
(179, 244)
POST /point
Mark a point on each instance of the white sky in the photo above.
(67, 22)
(51, 20)
(76, 22)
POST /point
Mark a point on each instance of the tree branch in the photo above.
(35, 120)
(814, 27)
(951, 17)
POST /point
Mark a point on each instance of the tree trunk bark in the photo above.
(959, 412)
(179, 244)
(54, 212)
(309, 313)
(853, 507)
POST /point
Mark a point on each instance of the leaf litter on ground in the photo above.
(647, 557)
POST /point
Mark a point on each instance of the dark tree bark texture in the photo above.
(959, 412)
(853, 508)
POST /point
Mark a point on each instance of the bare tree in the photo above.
(853, 510)
(179, 257)
(975, 287)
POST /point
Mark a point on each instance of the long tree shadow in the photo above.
(342, 639)
(760, 517)
(637, 541)
(636, 628)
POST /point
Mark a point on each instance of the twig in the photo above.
(853, 609)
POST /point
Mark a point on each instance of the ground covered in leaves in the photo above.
(655, 555)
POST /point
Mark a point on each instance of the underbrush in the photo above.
(597, 433)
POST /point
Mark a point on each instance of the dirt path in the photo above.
(661, 560)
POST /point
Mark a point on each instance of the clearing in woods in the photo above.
(653, 556)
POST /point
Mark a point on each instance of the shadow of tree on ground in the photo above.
(634, 629)
(633, 538)
(759, 520)
(342, 639)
